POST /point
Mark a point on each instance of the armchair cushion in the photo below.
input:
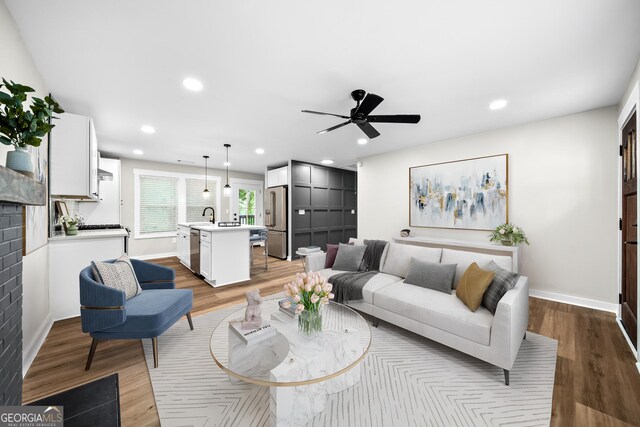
(118, 274)
(94, 294)
(150, 314)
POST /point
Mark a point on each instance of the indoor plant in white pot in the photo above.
(20, 127)
(508, 235)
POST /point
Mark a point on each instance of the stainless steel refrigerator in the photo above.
(275, 217)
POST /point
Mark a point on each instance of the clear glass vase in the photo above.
(310, 322)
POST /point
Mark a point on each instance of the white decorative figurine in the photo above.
(253, 314)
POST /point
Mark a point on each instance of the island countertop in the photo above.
(216, 228)
(90, 234)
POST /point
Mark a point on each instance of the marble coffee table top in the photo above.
(290, 358)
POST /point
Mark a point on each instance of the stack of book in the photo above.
(290, 312)
(252, 336)
(308, 249)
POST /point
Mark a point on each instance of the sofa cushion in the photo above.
(431, 275)
(437, 309)
(374, 284)
(472, 286)
(463, 259)
(152, 312)
(349, 257)
(398, 258)
(503, 280)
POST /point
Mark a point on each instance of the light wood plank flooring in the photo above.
(596, 381)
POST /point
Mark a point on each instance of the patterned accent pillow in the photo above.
(118, 275)
(503, 280)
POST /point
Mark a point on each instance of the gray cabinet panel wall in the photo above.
(328, 198)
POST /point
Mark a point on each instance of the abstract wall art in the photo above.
(466, 194)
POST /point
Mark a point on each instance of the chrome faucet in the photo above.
(212, 218)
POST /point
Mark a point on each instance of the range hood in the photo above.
(104, 175)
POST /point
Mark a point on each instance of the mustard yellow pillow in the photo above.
(472, 285)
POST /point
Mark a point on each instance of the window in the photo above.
(163, 199)
(158, 204)
(196, 202)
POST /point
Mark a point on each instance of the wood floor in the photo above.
(596, 381)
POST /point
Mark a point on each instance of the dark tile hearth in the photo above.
(95, 404)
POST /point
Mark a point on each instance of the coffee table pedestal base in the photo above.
(296, 406)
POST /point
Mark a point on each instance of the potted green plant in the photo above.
(508, 235)
(71, 224)
(22, 127)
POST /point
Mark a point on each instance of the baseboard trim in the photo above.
(568, 299)
(30, 354)
(154, 256)
(626, 337)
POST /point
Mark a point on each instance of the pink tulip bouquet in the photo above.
(309, 291)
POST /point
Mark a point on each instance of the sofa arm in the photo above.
(147, 272)
(315, 261)
(510, 323)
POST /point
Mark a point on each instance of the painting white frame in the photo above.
(459, 182)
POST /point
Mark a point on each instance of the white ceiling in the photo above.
(261, 62)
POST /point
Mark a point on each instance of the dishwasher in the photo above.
(194, 251)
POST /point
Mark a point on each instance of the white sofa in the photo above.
(439, 316)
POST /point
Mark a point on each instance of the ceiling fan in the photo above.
(360, 114)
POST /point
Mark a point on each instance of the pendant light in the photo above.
(227, 187)
(205, 192)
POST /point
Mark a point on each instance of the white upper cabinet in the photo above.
(74, 158)
(277, 177)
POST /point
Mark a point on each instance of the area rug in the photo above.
(407, 380)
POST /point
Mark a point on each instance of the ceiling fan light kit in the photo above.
(359, 115)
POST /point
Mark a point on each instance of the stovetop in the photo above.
(99, 227)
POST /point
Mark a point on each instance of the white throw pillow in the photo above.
(398, 257)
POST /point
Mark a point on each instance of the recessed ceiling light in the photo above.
(498, 104)
(327, 162)
(227, 164)
(147, 129)
(259, 150)
(362, 141)
(192, 84)
(138, 152)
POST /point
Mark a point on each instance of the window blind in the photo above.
(196, 202)
(158, 204)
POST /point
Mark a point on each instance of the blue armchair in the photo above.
(107, 314)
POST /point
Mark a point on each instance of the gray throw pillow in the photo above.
(438, 277)
(349, 257)
(119, 275)
(503, 280)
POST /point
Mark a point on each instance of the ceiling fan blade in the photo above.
(333, 127)
(369, 103)
(325, 114)
(369, 130)
(398, 118)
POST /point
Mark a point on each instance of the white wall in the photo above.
(165, 245)
(17, 65)
(562, 191)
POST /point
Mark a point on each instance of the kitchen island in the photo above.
(224, 257)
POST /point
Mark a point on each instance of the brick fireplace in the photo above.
(15, 191)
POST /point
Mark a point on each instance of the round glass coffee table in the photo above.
(300, 371)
